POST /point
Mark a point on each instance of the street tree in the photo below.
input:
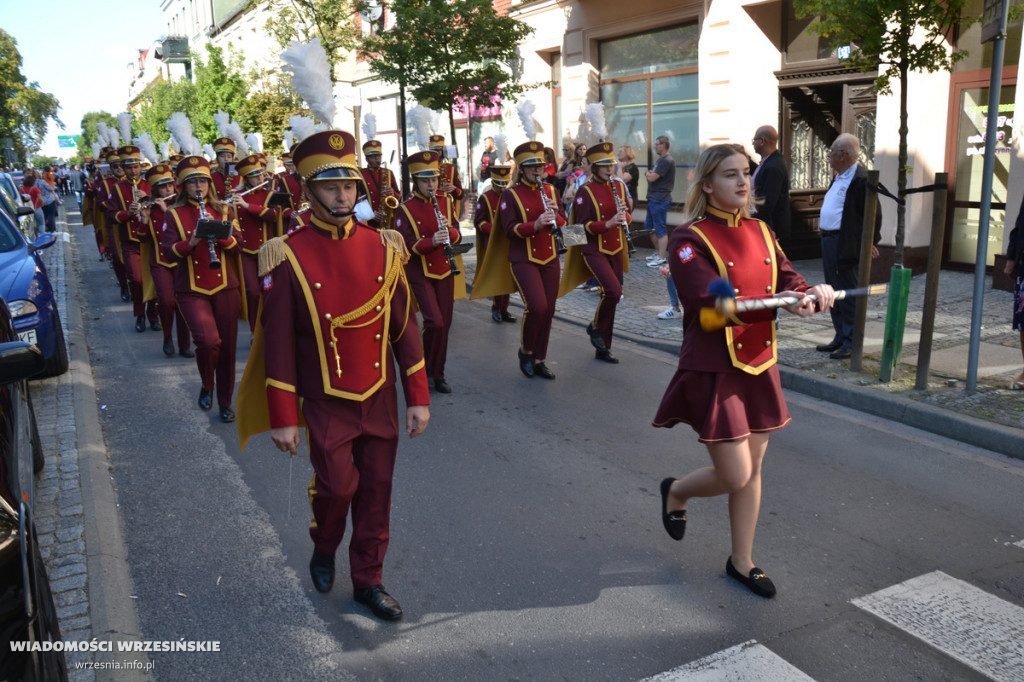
(159, 101)
(896, 37)
(332, 21)
(25, 110)
(271, 102)
(463, 51)
(90, 131)
(220, 86)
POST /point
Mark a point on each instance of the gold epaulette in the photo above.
(271, 255)
(394, 239)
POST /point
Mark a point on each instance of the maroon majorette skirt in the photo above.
(723, 406)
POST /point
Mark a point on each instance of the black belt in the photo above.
(829, 233)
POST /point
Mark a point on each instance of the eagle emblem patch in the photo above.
(268, 282)
(686, 254)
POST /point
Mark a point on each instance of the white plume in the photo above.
(370, 126)
(196, 146)
(96, 146)
(302, 127)
(255, 142)
(289, 140)
(236, 134)
(165, 150)
(311, 78)
(222, 120)
(180, 128)
(208, 150)
(145, 144)
(435, 121)
(124, 122)
(526, 109)
(501, 147)
(595, 118)
(419, 117)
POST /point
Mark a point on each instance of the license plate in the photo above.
(28, 336)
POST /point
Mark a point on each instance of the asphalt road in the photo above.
(526, 541)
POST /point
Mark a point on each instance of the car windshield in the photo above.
(10, 238)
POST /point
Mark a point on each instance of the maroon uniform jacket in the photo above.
(521, 205)
(486, 214)
(258, 221)
(417, 223)
(336, 312)
(376, 180)
(222, 184)
(595, 203)
(118, 202)
(151, 231)
(746, 253)
(197, 276)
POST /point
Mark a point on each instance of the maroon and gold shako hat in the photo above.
(223, 144)
(424, 164)
(327, 155)
(436, 141)
(112, 156)
(530, 154)
(371, 147)
(159, 174)
(129, 154)
(192, 167)
(250, 165)
(176, 159)
(286, 158)
(601, 154)
(501, 176)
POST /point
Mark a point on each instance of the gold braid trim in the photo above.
(271, 255)
(383, 295)
(394, 239)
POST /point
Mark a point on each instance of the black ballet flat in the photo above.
(674, 521)
(757, 582)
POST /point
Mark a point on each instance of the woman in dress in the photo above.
(727, 384)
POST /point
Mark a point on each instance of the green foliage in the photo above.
(332, 21)
(445, 51)
(268, 108)
(219, 87)
(160, 100)
(90, 133)
(25, 110)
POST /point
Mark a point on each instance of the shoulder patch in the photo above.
(579, 200)
(268, 282)
(686, 254)
(504, 205)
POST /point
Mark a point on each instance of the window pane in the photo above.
(663, 50)
(674, 114)
(803, 44)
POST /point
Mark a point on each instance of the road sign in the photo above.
(66, 141)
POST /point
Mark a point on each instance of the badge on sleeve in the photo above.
(579, 200)
(686, 254)
(268, 281)
(504, 205)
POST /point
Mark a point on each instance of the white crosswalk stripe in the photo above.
(747, 662)
(976, 628)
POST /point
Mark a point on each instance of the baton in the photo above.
(291, 461)
(712, 319)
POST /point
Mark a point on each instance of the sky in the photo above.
(78, 51)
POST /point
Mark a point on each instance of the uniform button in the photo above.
(377, 309)
(731, 264)
(379, 280)
(376, 365)
(768, 289)
(377, 337)
(767, 261)
(737, 291)
(331, 344)
(317, 285)
(768, 344)
(739, 346)
(327, 316)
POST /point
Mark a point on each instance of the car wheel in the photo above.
(38, 460)
(58, 364)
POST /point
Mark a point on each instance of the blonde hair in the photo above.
(628, 152)
(707, 164)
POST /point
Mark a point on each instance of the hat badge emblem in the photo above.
(193, 161)
(336, 142)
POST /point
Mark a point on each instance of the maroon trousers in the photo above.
(131, 255)
(250, 273)
(163, 280)
(352, 447)
(213, 322)
(607, 270)
(538, 285)
(436, 299)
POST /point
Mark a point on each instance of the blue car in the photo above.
(26, 288)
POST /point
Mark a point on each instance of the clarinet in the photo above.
(214, 262)
(621, 208)
(447, 237)
(555, 229)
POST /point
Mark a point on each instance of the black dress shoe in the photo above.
(596, 340)
(606, 355)
(205, 399)
(526, 364)
(495, 314)
(674, 521)
(186, 353)
(829, 347)
(321, 570)
(380, 602)
(227, 415)
(841, 353)
(168, 347)
(506, 316)
(155, 326)
(140, 324)
(125, 294)
(441, 386)
(757, 582)
(541, 370)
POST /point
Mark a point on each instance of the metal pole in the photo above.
(931, 286)
(995, 82)
(867, 240)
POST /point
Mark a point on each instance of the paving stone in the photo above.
(79, 609)
(68, 598)
(67, 570)
(76, 547)
(72, 583)
(72, 511)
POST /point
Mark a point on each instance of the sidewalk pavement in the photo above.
(992, 417)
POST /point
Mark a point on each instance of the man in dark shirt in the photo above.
(488, 159)
(771, 183)
(661, 180)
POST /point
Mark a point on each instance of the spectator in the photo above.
(568, 154)
(771, 183)
(28, 187)
(1015, 268)
(76, 179)
(628, 171)
(487, 159)
(49, 198)
(841, 224)
(661, 180)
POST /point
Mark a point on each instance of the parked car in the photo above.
(12, 203)
(26, 288)
(27, 611)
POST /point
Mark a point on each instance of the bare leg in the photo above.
(1021, 376)
(745, 506)
(661, 243)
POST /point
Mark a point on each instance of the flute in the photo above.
(251, 189)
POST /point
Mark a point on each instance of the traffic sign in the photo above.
(66, 141)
